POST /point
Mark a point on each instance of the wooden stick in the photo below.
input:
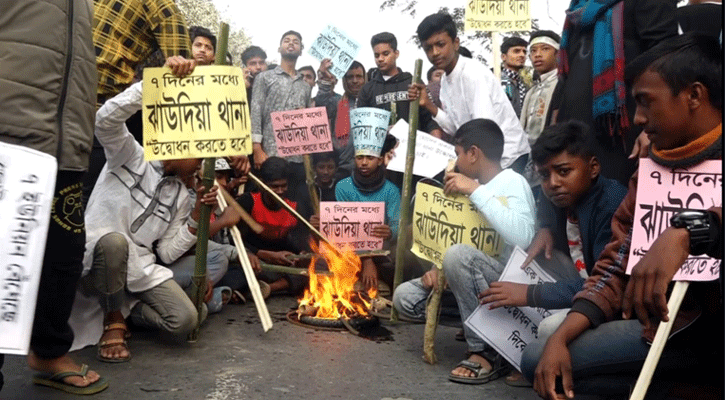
(310, 180)
(252, 282)
(291, 210)
(254, 225)
(360, 253)
(658, 344)
(432, 312)
(405, 214)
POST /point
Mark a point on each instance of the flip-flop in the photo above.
(55, 381)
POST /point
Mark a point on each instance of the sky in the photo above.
(265, 21)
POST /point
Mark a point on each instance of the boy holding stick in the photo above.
(678, 89)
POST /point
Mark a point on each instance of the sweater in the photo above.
(345, 190)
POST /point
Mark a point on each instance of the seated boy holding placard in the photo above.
(575, 223)
(599, 347)
(504, 198)
(283, 235)
(138, 210)
(368, 183)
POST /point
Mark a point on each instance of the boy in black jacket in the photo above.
(389, 84)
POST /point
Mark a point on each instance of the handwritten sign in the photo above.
(440, 221)
(663, 192)
(338, 47)
(27, 182)
(352, 222)
(431, 153)
(299, 132)
(510, 329)
(202, 115)
(498, 15)
(369, 126)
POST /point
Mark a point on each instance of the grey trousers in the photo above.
(165, 307)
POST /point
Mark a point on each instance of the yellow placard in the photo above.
(440, 221)
(201, 115)
(498, 15)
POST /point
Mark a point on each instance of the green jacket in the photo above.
(48, 78)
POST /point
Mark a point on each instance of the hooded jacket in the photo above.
(379, 93)
(48, 81)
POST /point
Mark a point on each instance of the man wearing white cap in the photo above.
(535, 113)
(368, 183)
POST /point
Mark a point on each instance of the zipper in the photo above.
(66, 73)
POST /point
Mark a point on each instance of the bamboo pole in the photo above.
(290, 209)
(432, 312)
(249, 274)
(202, 233)
(402, 245)
(658, 344)
(310, 180)
(290, 270)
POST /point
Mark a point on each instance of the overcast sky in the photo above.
(265, 21)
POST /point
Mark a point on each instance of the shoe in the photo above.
(218, 299)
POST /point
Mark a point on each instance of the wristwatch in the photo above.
(698, 224)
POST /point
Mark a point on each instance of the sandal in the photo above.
(104, 344)
(498, 369)
(55, 381)
(460, 336)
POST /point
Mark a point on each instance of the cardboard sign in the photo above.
(498, 15)
(300, 132)
(369, 127)
(352, 222)
(202, 115)
(431, 153)
(510, 329)
(663, 192)
(27, 184)
(440, 221)
(338, 47)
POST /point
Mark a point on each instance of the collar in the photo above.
(279, 71)
(692, 150)
(553, 73)
(457, 70)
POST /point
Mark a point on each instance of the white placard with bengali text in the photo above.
(27, 183)
(431, 153)
(510, 329)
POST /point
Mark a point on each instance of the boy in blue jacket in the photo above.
(575, 222)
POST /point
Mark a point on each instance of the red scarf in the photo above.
(276, 223)
(342, 122)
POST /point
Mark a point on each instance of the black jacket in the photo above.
(379, 93)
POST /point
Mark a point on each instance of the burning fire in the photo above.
(332, 297)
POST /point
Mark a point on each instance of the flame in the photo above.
(334, 296)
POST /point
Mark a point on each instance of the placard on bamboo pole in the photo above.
(405, 217)
(202, 232)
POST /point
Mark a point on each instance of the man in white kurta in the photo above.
(468, 91)
(137, 209)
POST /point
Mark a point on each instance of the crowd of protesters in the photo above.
(559, 143)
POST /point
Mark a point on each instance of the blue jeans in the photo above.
(606, 360)
(218, 258)
(469, 272)
(410, 299)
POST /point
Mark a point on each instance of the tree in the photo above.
(480, 41)
(204, 13)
